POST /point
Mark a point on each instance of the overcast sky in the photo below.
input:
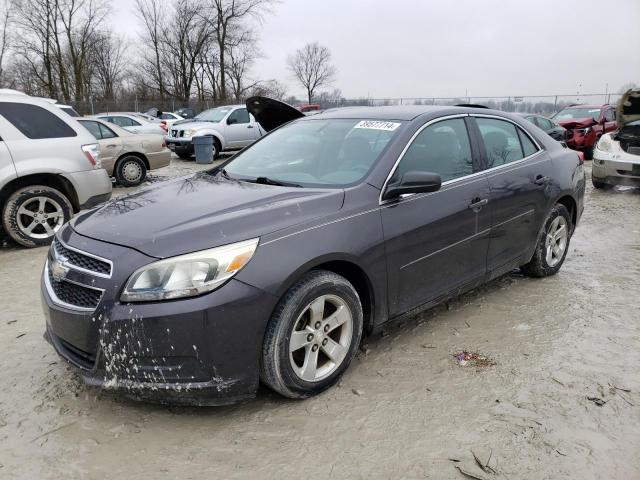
(425, 48)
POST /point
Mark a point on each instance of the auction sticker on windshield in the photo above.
(377, 125)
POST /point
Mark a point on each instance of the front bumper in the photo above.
(616, 169)
(197, 351)
(580, 141)
(179, 145)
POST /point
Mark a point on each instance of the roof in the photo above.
(408, 112)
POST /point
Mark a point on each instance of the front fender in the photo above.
(213, 132)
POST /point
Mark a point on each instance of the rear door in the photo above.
(520, 176)
(437, 242)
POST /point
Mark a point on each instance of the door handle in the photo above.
(541, 180)
(477, 203)
(111, 146)
(250, 126)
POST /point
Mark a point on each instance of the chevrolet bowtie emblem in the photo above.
(58, 270)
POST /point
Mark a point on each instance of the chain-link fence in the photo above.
(540, 104)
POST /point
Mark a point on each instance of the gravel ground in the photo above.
(405, 409)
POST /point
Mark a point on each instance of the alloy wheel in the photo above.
(556, 241)
(40, 217)
(321, 338)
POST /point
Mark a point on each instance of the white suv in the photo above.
(49, 169)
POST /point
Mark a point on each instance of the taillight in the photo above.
(580, 158)
(163, 125)
(92, 152)
(164, 144)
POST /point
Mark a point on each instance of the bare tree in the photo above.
(152, 15)
(312, 66)
(185, 39)
(242, 53)
(227, 17)
(108, 63)
(6, 19)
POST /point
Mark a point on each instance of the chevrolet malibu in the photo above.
(272, 266)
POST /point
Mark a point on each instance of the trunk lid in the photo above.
(271, 113)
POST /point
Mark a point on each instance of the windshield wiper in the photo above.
(270, 181)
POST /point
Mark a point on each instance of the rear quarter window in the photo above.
(35, 122)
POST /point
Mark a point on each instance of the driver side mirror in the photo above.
(231, 120)
(413, 182)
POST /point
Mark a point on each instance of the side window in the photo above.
(124, 122)
(441, 148)
(528, 147)
(35, 122)
(93, 127)
(609, 115)
(106, 132)
(544, 124)
(241, 115)
(501, 141)
(167, 116)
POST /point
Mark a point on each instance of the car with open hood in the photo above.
(616, 158)
(231, 126)
(585, 124)
(127, 156)
(274, 264)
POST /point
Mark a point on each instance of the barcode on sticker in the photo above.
(378, 125)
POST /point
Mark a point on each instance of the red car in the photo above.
(585, 125)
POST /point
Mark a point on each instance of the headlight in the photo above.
(188, 275)
(604, 144)
(190, 133)
(583, 130)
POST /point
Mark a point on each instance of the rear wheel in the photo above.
(130, 171)
(312, 336)
(552, 245)
(33, 215)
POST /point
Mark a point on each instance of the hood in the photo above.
(271, 113)
(193, 124)
(577, 122)
(203, 211)
(629, 107)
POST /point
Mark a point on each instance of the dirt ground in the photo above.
(405, 409)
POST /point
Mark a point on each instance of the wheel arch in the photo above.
(572, 206)
(47, 179)
(217, 137)
(348, 268)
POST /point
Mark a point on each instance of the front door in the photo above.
(239, 130)
(437, 242)
(520, 176)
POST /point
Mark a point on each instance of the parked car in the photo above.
(132, 122)
(616, 159)
(169, 118)
(49, 169)
(232, 128)
(273, 265)
(125, 155)
(550, 127)
(186, 112)
(585, 125)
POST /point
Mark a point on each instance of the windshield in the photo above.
(576, 113)
(213, 115)
(330, 152)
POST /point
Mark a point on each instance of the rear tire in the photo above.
(552, 244)
(312, 335)
(588, 153)
(130, 171)
(33, 215)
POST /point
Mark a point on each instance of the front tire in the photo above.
(312, 335)
(33, 215)
(552, 245)
(600, 185)
(130, 171)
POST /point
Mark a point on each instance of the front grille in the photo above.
(73, 294)
(77, 259)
